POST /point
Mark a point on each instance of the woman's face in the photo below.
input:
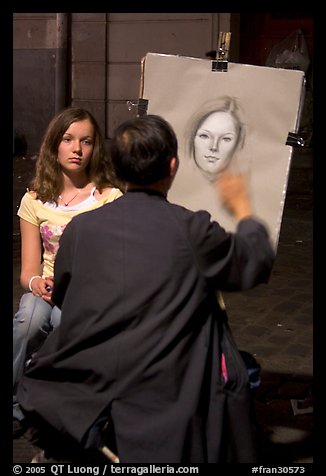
(215, 142)
(76, 146)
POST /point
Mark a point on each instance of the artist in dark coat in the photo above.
(143, 338)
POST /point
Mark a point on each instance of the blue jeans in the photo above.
(32, 323)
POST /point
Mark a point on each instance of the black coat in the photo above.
(142, 333)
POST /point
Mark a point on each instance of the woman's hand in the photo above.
(42, 288)
(48, 288)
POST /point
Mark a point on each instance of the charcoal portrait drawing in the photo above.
(215, 135)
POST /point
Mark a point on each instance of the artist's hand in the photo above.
(233, 190)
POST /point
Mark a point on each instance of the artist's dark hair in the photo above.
(141, 150)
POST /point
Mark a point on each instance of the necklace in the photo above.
(67, 203)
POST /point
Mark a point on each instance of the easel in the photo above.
(222, 52)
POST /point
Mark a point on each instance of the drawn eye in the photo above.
(203, 136)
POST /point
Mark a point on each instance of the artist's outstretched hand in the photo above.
(233, 190)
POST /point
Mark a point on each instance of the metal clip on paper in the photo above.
(222, 54)
(295, 140)
(141, 105)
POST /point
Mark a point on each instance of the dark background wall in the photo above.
(33, 106)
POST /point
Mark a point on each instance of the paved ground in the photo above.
(274, 322)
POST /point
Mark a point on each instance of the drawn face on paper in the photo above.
(215, 141)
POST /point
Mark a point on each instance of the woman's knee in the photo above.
(55, 317)
(34, 314)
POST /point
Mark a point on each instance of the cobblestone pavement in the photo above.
(273, 321)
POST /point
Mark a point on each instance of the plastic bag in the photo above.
(291, 53)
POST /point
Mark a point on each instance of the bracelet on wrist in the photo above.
(30, 282)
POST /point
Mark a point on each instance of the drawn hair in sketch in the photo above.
(215, 135)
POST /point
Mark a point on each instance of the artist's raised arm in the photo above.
(233, 190)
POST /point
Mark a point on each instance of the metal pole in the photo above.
(61, 62)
